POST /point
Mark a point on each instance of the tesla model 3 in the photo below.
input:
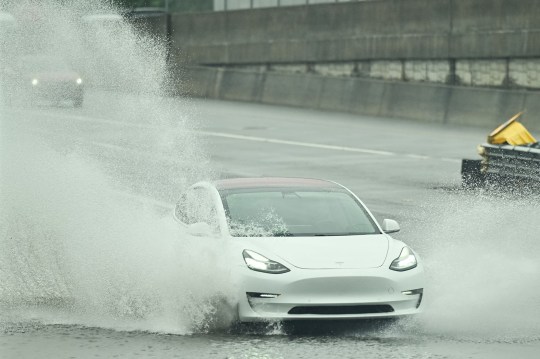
(304, 249)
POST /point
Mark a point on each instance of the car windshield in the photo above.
(295, 212)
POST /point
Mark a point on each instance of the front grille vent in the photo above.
(342, 309)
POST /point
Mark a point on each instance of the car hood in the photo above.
(332, 252)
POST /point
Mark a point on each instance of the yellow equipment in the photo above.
(511, 132)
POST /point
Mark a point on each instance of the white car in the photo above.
(304, 249)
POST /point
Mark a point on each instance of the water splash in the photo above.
(73, 248)
(71, 251)
(480, 251)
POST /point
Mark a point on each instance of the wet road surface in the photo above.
(408, 171)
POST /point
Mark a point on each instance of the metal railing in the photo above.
(221, 5)
(511, 161)
(225, 5)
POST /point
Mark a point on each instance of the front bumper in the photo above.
(329, 294)
(57, 91)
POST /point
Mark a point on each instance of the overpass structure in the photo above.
(446, 61)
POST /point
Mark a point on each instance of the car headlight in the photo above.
(260, 263)
(35, 82)
(79, 81)
(405, 261)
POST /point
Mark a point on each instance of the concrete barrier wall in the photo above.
(471, 42)
(425, 102)
(383, 29)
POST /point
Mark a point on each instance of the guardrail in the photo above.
(510, 158)
(517, 162)
(226, 5)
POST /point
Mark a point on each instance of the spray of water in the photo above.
(481, 251)
(73, 252)
(71, 249)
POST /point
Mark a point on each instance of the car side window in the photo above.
(180, 211)
(195, 206)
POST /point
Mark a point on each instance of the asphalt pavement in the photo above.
(121, 149)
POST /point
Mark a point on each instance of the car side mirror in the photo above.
(200, 229)
(390, 226)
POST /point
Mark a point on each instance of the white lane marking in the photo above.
(296, 143)
(171, 159)
(419, 157)
(248, 138)
(323, 146)
(82, 118)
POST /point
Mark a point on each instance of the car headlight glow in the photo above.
(79, 81)
(260, 263)
(35, 82)
(405, 261)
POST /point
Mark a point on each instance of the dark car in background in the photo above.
(45, 78)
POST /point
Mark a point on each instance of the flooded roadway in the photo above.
(107, 169)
